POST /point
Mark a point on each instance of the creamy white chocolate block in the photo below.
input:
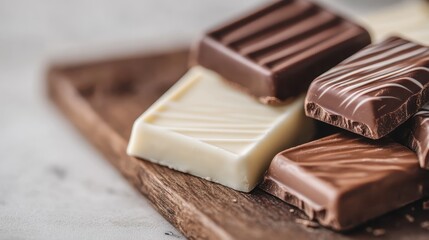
(207, 128)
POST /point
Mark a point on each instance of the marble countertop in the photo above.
(53, 184)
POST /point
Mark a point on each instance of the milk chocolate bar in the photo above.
(276, 51)
(204, 127)
(344, 180)
(375, 90)
(415, 135)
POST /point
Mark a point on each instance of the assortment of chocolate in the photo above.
(275, 55)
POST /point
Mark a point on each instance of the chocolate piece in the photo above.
(378, 232)
(344, 180)
(425, 225)
(415, 135)
(276, 51)
(204, 127)
(426, 205)
(374, 91)
(409, 218)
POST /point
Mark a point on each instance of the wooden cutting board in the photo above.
(103, 98)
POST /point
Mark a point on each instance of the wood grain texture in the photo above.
(102, 99)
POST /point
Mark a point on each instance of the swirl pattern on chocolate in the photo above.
(344, 180)
(381, 67)
(415, 135)
(424, 113)
(222, 118)
(374, 91)
(344, 162)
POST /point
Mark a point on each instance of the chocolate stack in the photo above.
(228, 131)
(379, 92)
(229, 136)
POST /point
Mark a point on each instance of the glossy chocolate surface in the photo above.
(344, 180)
(415, 135)
(276, 51)
(375, 90)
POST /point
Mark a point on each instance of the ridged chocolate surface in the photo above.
(344, 180)
(277, 50)
(375, 90)
(415, 135)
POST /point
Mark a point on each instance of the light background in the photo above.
(53, 184)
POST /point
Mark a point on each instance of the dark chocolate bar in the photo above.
(415, 135)
(375, 90)
(276, 51)
(344, 180)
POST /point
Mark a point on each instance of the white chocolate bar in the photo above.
(205, 127)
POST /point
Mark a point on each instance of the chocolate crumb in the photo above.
(378, 232)
(425, 225)
(307, 223)
(170, 233)
(426, 205)
(409, 218)
(234, 200)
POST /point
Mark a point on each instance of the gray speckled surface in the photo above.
(53, 184)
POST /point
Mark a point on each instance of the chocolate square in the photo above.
(375, 90)
(276, 51)
(344, 180)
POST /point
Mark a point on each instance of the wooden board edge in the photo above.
(193, 223)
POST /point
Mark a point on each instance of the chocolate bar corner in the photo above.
(415, 135)
(275, 52)
(375, 90)
(344, 180)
